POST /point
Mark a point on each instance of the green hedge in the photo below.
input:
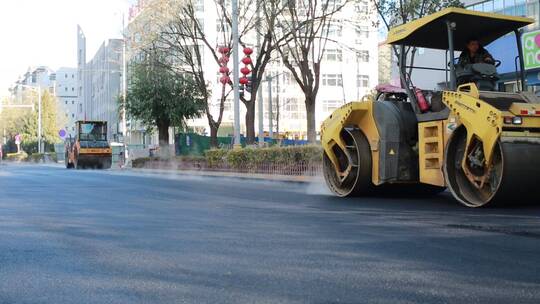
(252, 157)
(22, 156)
(42, 157)
(245, 158)
(142, 161)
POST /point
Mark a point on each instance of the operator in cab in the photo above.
(474, 53)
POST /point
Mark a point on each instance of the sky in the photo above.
(44, 32)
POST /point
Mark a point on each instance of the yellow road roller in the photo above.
(480, 143)
(89, 148)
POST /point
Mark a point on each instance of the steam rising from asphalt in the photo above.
(317, 187)
(314, 185)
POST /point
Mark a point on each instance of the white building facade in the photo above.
(66, 88)
(101, 83)
(62, 84)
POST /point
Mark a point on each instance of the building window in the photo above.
(199, 6)
(66, 89)
(200, 22)
(332, 80)
(72, 89)
(73, 102)
(66, 101)
(80, 108)
(66, 76)
(362, 81)
(335, 30)
(334, 55)
(362, 56)
(331, 105)
(72, 115)
(362, 31)
(287, 78)
(72, 76)
(332, 4)
(294, 108)
(361, 7)
(227, 105)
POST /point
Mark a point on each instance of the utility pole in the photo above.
(124, 80)
(40, 148)
(278, 105)
(259, 88)
(270, 122)
(236, 74)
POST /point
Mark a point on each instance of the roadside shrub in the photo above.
(190, 158)
(22, 156)
(214, 157)
(288, 159)
(253, 157)
(142, 161)
(42, 157)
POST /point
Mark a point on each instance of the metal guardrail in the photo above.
(291, 169)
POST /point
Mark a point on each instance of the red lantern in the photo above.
(223, 50)
(244, 80)
(245, 70)
(225, 79)
(248, 51)
(224, 70)
(246, 60)
(224, 59)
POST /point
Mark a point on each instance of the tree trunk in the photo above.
(250, 122)
(310, 116)
(213, 137)
(163, 133)
(402, 69)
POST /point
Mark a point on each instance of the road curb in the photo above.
(250, 176)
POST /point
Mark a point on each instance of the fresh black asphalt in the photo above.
(71, 236)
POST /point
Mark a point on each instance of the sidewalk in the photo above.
(253, 176)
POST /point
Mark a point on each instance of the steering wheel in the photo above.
(496, 63)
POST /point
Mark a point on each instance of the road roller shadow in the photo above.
(440, 202)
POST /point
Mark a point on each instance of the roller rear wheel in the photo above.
(354, 177)
(510, 178)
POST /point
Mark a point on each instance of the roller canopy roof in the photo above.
(431, 31)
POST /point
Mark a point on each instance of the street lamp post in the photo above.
(40, 146)
(124, 79)
(270, 118)
(236, 74)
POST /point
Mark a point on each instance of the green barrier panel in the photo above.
(195, 144)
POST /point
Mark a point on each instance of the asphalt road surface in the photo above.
(69, 236)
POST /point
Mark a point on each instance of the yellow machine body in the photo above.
(480, 144)
(89, 148)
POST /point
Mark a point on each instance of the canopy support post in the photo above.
(451, 26)
(521, 63)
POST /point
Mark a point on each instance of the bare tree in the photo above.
(309, 23)
(264, 26)
(185, 40)
(393, 13)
